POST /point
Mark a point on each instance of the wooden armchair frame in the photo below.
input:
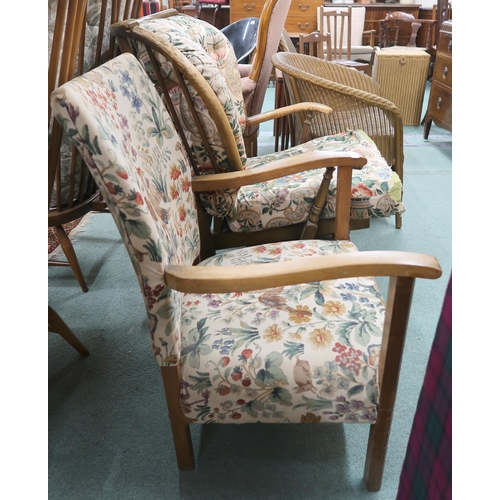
(214, 237)
(401, 267)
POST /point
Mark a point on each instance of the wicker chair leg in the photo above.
(70, 254)
(178, 422)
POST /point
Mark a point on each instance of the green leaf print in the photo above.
(201, 382)
(272, 375)
(154, 250)
(355, 390)
(196, 344)
(372, 392)
(317, 404)
(253, 407)
(281, 396)
(137, 228)
(293, 348)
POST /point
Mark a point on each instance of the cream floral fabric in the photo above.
(211, 53)
(298, 353)
(123, 131)
(376, 191)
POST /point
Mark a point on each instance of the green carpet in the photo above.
(108, 428)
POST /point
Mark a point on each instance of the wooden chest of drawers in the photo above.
(302, 15)
(439, 106)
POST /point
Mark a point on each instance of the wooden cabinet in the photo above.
(302, 15)
(439, 106)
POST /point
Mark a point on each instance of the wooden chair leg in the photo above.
(57, 325)
(311, 225)
(376, 452)
(399, 221)
(398, 304)
(70, 254)
(178, 422)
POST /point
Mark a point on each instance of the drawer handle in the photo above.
(303, 9)
(439, 102)
(445, 71)
(302, 27)
(249, 8)
(449, 45)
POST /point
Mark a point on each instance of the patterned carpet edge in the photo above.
(72, 229)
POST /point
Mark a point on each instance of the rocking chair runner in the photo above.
(245, 335)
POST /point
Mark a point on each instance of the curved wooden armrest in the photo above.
(226, 279)
(288, 110)
(279, 168)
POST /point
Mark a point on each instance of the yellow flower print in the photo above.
(334, 308)
(273, 334)
(301, 314)
(320, 338)
(296, 336)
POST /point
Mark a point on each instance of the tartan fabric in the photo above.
(426, 472)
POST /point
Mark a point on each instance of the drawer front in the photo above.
(440, 103)
(241, 10)
(302, 16)
(442, 71)
(445, 45)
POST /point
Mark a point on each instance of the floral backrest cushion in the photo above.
(213, 56)
(117, 120)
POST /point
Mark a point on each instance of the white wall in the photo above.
(426, 4)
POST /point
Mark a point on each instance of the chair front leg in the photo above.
(311, 225)
(178, 422)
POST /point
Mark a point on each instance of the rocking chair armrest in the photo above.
(286, 166)
(227, 279)
(288, 110)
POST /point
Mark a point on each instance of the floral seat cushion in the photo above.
(211, 53)
(376, 188)
(254, 345)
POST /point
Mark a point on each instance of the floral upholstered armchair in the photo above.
(282, 332)
(195, 66)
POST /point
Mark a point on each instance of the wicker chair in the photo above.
(355, 100)
(79, 40)
(179, 54)
(290, 332)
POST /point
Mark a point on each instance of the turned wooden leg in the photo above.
(70, 254)
(311, 225)
(57, 325)
(399, 221)
(178, 422)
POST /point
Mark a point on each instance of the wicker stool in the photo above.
(402, 75)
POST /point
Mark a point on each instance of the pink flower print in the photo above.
(360, 191)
